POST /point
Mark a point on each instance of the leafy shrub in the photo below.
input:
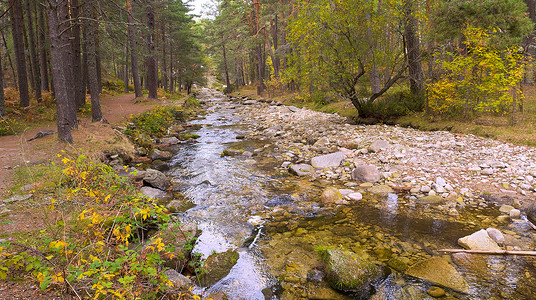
(154, 122)
(102, 251)
(8, 126)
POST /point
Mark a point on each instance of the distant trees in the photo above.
(361, 49)
(69, 44)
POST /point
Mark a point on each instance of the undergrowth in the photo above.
(96, 243)
(153, 123)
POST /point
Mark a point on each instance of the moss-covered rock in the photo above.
(331, 195)
(347, 271)
(439, 271)
(217, 266)
(397, 264)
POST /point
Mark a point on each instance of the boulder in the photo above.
(217, 266)
(366, 173)
(473, 264)
(171, 140)
(328, 161)
(346, 271)
(379, 145)
(231, 152)
(479, 240)
(355, 196)
(156, 179)
(381, 189)
(435, 292)
(322, 142)
(531, 212)
(161, 155)
(331, 195)
(496, 235)
(153, 193)
(179, 282)
(437, 270)
(301, 169)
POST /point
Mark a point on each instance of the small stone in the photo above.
(379, 145)
(425, 189)
(440, 182)
(355, 196)
(515, 213)
(503, 219)
(330, 195)
(487, 172)
(435, 292)
(301, 169)
(505, 209)
(366, 173)
(496, 235)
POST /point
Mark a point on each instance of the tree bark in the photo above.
(228, 89)
(90, 34)
(416, 76)
(61, 67)
(33, 52)
(45, 85)
(133, 54)
(16, 25)
(152, 82)
(2, 98)
(80, 96)
(125, 68)
(164, 65)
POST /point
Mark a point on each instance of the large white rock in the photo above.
(328, 160)
(366, 173)
(479, 240)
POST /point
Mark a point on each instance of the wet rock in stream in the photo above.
(217, 266)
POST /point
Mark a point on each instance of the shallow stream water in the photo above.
(279, 259)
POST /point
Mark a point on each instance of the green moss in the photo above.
(217, 266)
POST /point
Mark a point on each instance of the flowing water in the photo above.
(278, 259)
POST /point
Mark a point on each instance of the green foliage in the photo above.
(154, 122)
(101, 251)
(507, 18)
(8, 126)
(191, 103)
(337, 46)
(484, 80)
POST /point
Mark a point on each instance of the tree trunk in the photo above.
(152, 82)
(45, 85)
(133, 54)
(125, 68)
(2, 98)
(18, 43)
(228, 89)
(80, 97)
(413, 51)
(164, 65)
(33, 52)
(61, 65)
(90, 34)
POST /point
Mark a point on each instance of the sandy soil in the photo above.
(16, 151)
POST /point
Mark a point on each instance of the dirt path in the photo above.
(16, 151)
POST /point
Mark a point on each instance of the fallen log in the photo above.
(490, 252)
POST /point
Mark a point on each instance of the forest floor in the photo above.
(16, 152)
